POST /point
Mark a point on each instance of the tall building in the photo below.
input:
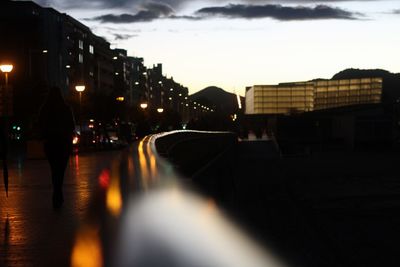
(123, 75)
(49, 48)
(139, 93)
(299, 97)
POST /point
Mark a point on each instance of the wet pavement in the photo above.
(32, 233)
(122, 208)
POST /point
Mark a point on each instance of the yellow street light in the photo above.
(80, 88)
(6, 68)
(120, 98)
(160, 110)
(143, 105)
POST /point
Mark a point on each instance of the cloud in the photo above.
(152, 11)
(277, 12)
(121, 36)
(396, 11)
(149, 12)
(101, 4)
(176, 4)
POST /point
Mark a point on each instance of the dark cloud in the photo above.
(176, 4)
(153, 11)
(101, 4)
(149, 12)
(396, 11)
(278, 12)
(121, 36)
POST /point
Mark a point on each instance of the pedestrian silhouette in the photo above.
(57, 126)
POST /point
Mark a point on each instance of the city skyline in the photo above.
(204, 43)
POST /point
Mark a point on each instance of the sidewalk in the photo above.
(31, 232)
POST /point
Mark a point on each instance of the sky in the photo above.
(238, 43)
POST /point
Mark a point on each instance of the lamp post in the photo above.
(5, 68)
(80, 89)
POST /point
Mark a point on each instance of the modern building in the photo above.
(299, 97)
(346, 112)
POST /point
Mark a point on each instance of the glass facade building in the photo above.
(299, 97)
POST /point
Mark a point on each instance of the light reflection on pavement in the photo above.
(122, 208)
(31, 233)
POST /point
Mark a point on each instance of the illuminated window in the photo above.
(91, 49)
(80, 44)
(80, 58)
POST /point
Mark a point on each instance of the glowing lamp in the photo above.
(6, 68)
(80, 88)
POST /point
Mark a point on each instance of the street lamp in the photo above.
(80, 89)
(6, 68)
(160, 110)
(143, 105)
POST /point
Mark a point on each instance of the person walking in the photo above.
(57, 126)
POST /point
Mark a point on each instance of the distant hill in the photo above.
(391, 81)
(218, 99)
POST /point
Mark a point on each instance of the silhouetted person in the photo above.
(57, 127)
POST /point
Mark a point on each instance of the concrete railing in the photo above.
(206, 158)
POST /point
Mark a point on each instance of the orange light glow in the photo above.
(113, 197)
(87, 249)
(114, 200)
(143, 166)
(6, 68)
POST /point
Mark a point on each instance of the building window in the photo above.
(80, 44)
(91, 49)
(80, 58)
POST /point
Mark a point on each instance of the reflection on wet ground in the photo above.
(32, 233)
(122, 208)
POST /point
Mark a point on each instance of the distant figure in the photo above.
(57, 126)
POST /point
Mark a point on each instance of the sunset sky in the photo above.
(233, 44)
